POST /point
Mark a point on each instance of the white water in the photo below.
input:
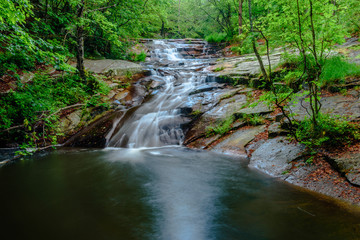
(159, 121)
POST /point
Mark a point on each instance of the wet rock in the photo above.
(274, 157)
(135, 96)
(203, 88)
(122, 95)
(349, 165)
(157, 84)
(236, 142)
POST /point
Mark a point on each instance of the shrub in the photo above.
(337, 68)
(140, 57)
(137, 57)
(35, 101)
(252, 119)
(222, 128)
(216, 37)
(329, 131)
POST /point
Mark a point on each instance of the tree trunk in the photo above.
(80, 43)
(262, 68)
(179, 16)
(240, 16)
(162, 28)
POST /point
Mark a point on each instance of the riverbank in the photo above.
(237, 126)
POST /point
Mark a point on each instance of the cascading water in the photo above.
(159, 122)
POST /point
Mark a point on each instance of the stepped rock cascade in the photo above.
(161, 120)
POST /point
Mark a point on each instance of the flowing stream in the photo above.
(160, 121)
(153, 191)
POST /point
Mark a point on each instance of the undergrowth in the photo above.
(30, 110)
(221, 128)
(329, 132)
(216, 38)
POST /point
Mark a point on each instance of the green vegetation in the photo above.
(218, 69)
(252, 119)
(329, 131)
(216, 37)
(336, 69)
(222, 128)
(30, 113)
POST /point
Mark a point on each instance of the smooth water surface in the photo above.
(159, 193)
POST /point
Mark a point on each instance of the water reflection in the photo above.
(159, 193)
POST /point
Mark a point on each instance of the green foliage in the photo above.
(336, 69)
(196, 113)
(216, 37)
(219, 69)
(34, 104)
(252, 119)
(222, 128)
(329, 131)
(137, 57)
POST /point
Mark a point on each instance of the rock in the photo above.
(349, 165)
(203, 88)
(275, 130)
(260, 108)
(274, 157)
(27, 77)
(111, 67)
(70, 122)
(94, 135)
(246, 65)
(354, 93)
(204, 142)
(227, 107)
(157, 84)
(333, 105)
(121, 95)
(236, 142)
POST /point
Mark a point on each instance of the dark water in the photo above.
(163, 193)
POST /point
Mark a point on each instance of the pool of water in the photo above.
(159, 193)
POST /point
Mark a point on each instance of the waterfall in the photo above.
(160, 121)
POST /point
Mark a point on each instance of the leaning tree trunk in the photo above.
(262, 67)
(80, 43)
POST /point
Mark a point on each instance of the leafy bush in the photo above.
(140, 57)
(222, 128)
(137, 57)
(43, 97)
(337, 68)
(334, 69)
(216, 37)
(252, 119)
(329, 131)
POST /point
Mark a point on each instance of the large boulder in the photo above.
(113, 68)
(274, 157)
(236, 142)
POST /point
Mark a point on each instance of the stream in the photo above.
(145, 185)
